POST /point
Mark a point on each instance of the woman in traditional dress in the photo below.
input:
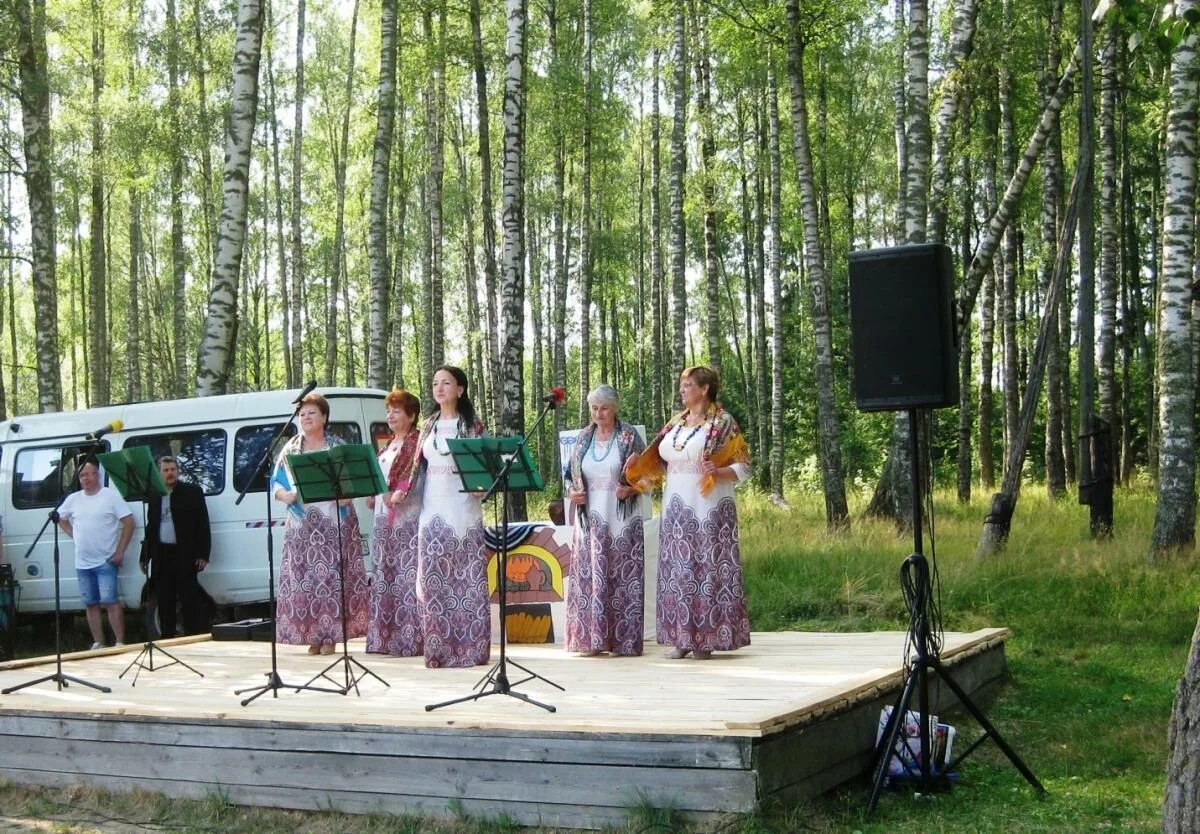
(452, 584)
(395, 616)
(313, 568)
(701, 601)
(604, 597)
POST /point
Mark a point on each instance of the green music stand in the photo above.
(134, 472)
(137, 478)
(487, 465)
(336, 474)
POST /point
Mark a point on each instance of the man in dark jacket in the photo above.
(179, 541)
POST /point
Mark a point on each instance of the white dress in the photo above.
(701, 600)
(451, 562)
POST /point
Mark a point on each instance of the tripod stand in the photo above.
(338, 474)
(61, 680)
(274, 682)
(925, 658)
(494, 458)
(132, 470)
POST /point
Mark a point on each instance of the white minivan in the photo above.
(217, 440)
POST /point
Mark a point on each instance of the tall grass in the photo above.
(1100, 638)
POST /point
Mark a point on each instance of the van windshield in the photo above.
(250, 442)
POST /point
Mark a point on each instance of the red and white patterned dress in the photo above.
(395, 616)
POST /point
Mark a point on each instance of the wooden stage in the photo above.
(789, 716)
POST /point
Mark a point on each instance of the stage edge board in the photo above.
(563, 779)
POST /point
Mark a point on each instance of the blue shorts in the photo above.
(98, 586)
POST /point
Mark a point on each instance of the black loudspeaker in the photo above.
(902, 328)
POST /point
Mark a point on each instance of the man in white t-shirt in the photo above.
(101, 524)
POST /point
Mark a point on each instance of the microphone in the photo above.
(555, 397)
(115, 425)
(308, 389)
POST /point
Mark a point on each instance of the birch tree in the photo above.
(1109, 236)
(713, 337)
(678, 240)
(585, 223)
(486, 204)
(837, 514)
(1175, 511)
(35, 121)
(220, 326)
(297, 204)
(377, 329)
(774, 273)
(512, 419)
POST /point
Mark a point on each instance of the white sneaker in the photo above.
(117, 644)
(97, 646)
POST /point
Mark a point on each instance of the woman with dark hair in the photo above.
(604, 598)
(701, 600)
(395, 616)
(451, 560)
(311, 567)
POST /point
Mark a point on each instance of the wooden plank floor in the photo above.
(791, 714)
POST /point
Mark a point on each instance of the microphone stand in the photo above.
(60, 679)
(274, 682)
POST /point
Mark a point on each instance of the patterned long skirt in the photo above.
(701, 602)
(309, 605)
(453, 592)
(395, 621)
(606, 591)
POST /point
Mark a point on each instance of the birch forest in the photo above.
(210, 196)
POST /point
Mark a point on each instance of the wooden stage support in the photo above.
(788, 717)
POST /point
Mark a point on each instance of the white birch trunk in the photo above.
(678, 240)
(1175, 512)
(962, 37)
(380, 267)
(512, 217)
(585, 223)
(220, 326)
(837, 514)
(773, 258)
(297, 204)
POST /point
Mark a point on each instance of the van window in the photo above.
(41, 476)
(201, 455)
(381, 435)
(249, 443)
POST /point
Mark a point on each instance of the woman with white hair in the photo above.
(604, 596)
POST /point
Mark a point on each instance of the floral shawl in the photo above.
(629, 444)
(402, 463)
(416, 472)
(724, 444)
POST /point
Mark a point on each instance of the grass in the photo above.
(1100, 639)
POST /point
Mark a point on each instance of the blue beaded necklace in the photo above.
(612, 441)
